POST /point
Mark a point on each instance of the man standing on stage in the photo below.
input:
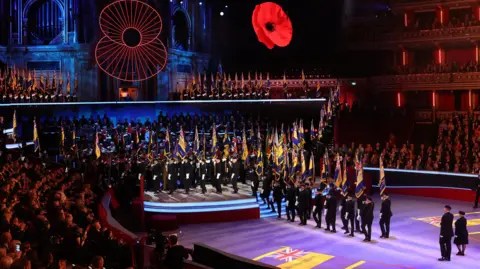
(291, 200)
(385, 215)
(342, 209)
(360, 206)
(302, 205)
(217, 178)
(186, 174)
(331, 215)
(202, 174)
(446, 234)
(317, 208)
(157, 176)
(277, 198)
(367, 219)
(235, 172)
(172, 175)
(349, 215)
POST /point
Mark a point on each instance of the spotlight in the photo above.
(181, 2)
(221, 13)
(226, 6)
(171, 1)
(200, 3)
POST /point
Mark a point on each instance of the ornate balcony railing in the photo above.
(440, 81)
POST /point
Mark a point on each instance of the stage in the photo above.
(413, 242)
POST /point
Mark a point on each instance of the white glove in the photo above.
(233, 175)
(252, 184)
(296, 204)
(66, 169)
(178, 174)
(218, 176)
(287, 203)
(358, 218)
(339, 208)
(346, 215)
(314, 207)
(139, 176)
(154, 177)
(123, 174)
(325, 212)
(358, 211)
(187, 175)
(381, 215)
(325, 203)
(441, 236)
(203, 177)
(169, 176)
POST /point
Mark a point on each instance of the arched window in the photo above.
(181, 30)
(44, 23)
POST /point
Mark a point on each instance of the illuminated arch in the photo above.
(29, 3)
(182, 11)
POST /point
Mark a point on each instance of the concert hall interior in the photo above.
(239, 134)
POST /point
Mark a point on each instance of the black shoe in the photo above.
(278, 217)
(346, 232)
(352, 235)
(288, 219)
(365, 240)
(327, 229)
(292, 220)
(382, 236)
(318, 227)
(300, 224)
(344, 228)
(459, 253)
(334, 231)
(442, 259)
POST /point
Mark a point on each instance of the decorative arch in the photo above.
(181, 37)
(29, 3)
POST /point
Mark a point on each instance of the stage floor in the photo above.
(195, 195)
(413, 242)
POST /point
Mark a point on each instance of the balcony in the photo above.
(420, 82)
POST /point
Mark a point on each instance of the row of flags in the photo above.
(29, 80)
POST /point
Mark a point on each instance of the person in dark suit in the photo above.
(367, 219)
(277, 199)
(235, 164)
(446, 234)
(360, 206)
(310, 192)
(186, 174)
(172, 176)
(202, 174)
(175, 254)
(157, 175)
(217, 178)
(342, 210)
(349, 215)
(267, 186)
(461, 234)
(331, 215)
(302, 202)
(385, 215)
(291, 200)
(317, 208)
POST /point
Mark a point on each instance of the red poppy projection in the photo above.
(130, 49)
(272, 25)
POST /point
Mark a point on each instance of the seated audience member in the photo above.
(175, 254)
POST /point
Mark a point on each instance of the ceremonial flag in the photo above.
(74, 141)
(98, 152)
(150, 145)
(360, 184)
(14, 126)
(214, 139)
(68, 84)
(268, 142)
(243, 82)
(137, 137)
(301, 134)
(226, 143)
(345, 181)
(312, 131)
(284, 82)
(295, 140)
(278, 152)
(302, 163)
(181, 145)
(62, 140)
(166, 145)
(196, 143)
(338, 172)
(36, 138)
(309, 173)
(259, 163)
(382, 183)
(244, 146)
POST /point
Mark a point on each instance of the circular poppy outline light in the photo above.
(120, 60)
(271, 14)
(146, 61)
(122, 14)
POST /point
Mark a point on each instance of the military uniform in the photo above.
(290, 205)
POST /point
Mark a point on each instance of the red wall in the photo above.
(445, 100)
(460, 56)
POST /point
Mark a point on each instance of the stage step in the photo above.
(265, 212)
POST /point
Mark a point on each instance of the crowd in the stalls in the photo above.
(457, 149)
(49, 218)
(29, 86)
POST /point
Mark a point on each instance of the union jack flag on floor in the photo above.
(288, 254)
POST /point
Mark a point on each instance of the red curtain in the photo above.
(446, 100)
(460, 56)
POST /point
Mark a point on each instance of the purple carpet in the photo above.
(413, 242)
